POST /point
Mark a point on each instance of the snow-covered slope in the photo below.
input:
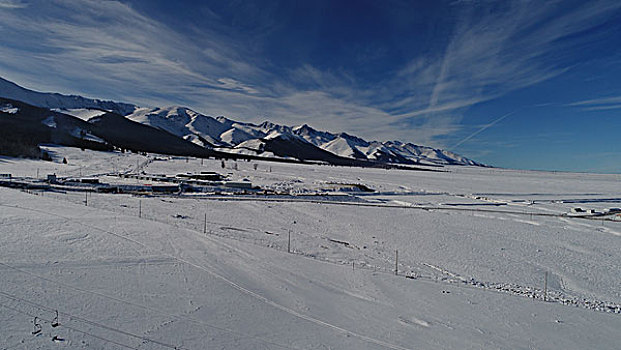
(313, 136)
(344, 147)
(54, 100)
(184, 122)
(82, 113)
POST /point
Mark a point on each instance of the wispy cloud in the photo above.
(109, 49)
(602, 108)
(232, 84)
(599, 104)
(598, 101)
(495, 52)
(12, 4)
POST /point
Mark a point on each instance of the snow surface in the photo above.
(49, 121)
(477, 242)
(82, 113)
(8, 108)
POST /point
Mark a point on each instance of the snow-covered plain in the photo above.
(213, 271)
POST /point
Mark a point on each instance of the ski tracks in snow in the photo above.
(221, 277)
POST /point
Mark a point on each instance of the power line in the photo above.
(71, 328)
(195, 321)
(235, 286)
(93, 323)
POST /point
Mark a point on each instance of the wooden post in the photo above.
(205, 224)
(86, 198)
(396, 262)
(545, 287)
(139, 208)
(289, 243)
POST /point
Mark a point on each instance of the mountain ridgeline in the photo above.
(28, 117)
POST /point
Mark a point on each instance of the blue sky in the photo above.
(521, 84)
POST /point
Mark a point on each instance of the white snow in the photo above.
(184, 122)
(341, 147)
(84, 134)
(235, 136)
(82, 113)
(8, 108)
(49, 121)
(477, 242)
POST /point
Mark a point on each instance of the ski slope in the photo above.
(216, 270)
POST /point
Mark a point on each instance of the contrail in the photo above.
(485, 127)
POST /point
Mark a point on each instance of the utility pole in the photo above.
(396, 262)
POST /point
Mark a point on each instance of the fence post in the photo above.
(396, 262)
(205, 224)
(140, 208)
(545, 287)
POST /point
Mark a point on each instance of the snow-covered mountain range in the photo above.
(221, 132)
(230, 136)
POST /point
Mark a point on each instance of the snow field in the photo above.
(165, 283)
